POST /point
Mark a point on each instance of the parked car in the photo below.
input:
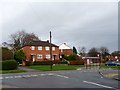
(112, 63)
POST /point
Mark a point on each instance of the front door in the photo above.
(32, 58)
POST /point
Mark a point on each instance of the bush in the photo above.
(42, 63)
(19, 55)
(70, 57)
(6, 54)
(28, 63)
(62, 62)
(77, 62)
(9, 65)
(49, 62)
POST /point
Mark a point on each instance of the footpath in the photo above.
(27, 69)
(110, 73)
(105, 72)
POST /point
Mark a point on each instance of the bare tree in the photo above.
(29, 38)
(93, 52)
(104, 52)
(82, 51)
(20, 38)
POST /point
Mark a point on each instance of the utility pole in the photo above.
(50, 52)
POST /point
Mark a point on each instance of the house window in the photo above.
(47, 48)
(48, 56)
(39, 47)
(39, 56)
(53, 48)
(32, 47)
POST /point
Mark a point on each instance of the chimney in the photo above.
(48, 41)
(65, 43)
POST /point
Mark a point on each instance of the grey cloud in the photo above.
(78, 24)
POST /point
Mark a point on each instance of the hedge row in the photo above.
(74, 62)
(77, 62)
(9, 65)
(28, 63)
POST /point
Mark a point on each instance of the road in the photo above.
(58, 79)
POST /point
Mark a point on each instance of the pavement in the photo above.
(27, 69)
(110, 73)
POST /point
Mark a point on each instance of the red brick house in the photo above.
(65, 49)
(40, 51)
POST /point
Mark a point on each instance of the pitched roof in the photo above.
(64, 46)
(40, 43)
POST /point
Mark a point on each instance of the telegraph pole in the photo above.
(50, 52)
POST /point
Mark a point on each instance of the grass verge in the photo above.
(54, 68)
(11, 71)
(113, 67)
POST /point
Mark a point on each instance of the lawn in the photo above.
(113, 67)
(57, 67)
(11, 71)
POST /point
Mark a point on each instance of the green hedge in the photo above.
(49, 62)
(42, 63)
(70, 57)
(62, 62)
(28, 63)
(77, 62)
(9, 65)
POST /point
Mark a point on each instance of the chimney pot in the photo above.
(48, 41)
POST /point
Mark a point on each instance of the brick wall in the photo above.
(43, 52)
(66, 51)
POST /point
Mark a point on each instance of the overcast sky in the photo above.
(89, 24)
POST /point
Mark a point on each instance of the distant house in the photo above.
(40, 51)
(91, 60)
(65, 49)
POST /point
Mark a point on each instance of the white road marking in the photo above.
(1, 77)
(97, 84)
(26, 76)
(42, 74)
(9, 77)
(62, 76)
(17, 76)
(34, 75)
(50, 74)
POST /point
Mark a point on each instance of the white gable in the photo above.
(64, 46)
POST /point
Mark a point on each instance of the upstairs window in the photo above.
(47, 48)
(39, 47)
(32, 47)
(53, 48)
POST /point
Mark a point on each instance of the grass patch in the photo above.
(113, 67)
(11, 71)
(54, 68)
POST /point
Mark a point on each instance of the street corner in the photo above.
(112, 74)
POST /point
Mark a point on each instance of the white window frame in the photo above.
(53, 48)
(32, 47)
(39, 47)
(39, 56)
(47, 48)
(48, 56)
